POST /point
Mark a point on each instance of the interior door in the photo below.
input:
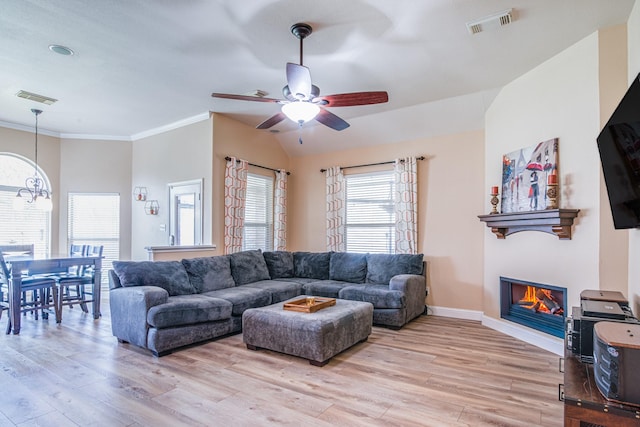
(185, 215)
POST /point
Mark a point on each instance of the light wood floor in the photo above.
(434, 372)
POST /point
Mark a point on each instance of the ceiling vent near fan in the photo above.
(492, 21)
(35, 97)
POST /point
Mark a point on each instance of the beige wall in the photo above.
(633, 41)
(96, 166)
(23, 143)
(177, 155)
(451, 194)
(234, 139)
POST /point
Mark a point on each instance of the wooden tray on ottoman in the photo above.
(309, 304)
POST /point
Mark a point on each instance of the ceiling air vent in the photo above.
(492, 21)
(35, 97)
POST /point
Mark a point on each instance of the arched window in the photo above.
(21, 223)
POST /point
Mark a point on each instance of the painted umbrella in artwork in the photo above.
(534, 166)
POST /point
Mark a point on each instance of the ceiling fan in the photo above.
(302, 101)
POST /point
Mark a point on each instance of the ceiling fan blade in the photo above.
(329, 119)
(299, 80)
(271, 121)
(244, 97)
(353, 99)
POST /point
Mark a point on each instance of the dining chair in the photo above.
(44, 293)
(12, 249)
(22, 249)
(70, 276)
(73, 287)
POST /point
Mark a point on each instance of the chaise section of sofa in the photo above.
(165, 305)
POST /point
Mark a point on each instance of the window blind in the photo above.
(94, 219)
(23, 223)
(258, 213)
(370, 218)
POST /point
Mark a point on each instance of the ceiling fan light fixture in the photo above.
(300, 111)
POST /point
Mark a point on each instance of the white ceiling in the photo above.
(142, 65)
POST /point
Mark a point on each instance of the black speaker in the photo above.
(616, 361)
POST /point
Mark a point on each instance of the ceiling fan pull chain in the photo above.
(300, 131)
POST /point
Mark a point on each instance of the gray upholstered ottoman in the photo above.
(315, 336)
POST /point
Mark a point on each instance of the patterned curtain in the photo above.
(280, 212)
(336, 210)
(406, 205)
(235, 195)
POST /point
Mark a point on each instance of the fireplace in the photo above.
(536, 305)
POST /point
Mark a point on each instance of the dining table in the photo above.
(34, 264)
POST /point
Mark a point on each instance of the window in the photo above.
(258, 213)
(370, 222)
(21, 223)
(94, 219)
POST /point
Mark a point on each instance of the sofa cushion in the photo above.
(248, 266)
(242, 297)
(382, 267)
(348, 267)
(325, 288)
(279, 290)
(279, 263)
(209, 273)
(378, 295)
(169, 275)
(313, 265)
(187, 310)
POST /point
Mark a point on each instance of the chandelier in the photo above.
(35, 190)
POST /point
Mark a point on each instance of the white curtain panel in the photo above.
(280, 212)
(235, 196)
(406, 205)
(336, 209)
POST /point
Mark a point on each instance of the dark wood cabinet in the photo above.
(584, 405)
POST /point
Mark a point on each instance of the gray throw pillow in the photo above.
(248, 267)
(209, 273)
(169, 275)
(382, 267)
(348, 267)
(312, 265)
(279, 263)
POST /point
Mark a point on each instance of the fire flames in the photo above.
(540, 300)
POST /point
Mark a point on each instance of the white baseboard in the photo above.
(456, 313)
(539, 339)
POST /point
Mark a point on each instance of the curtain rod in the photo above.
(372, 164)
(258, 166)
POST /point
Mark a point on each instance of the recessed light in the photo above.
(62, 50)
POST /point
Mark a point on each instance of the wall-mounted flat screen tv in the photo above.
(619, 146)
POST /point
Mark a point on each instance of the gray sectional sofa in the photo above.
(166, 305)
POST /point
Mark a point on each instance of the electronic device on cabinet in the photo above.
(595, 306)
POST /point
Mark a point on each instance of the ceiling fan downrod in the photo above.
(301, 31)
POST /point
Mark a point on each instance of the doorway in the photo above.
(185, 214)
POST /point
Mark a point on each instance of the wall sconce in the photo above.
(151, 207)
(140, 194)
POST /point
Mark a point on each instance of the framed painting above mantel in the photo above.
(526, 174)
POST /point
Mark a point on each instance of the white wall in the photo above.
(633, 45)
(558, 99)
(182, 154)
